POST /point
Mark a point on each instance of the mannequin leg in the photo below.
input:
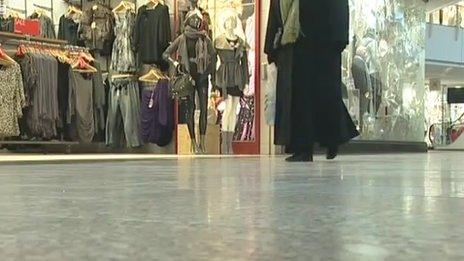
(229, 121)
(203, 102)
(225, 127)
(191, 122)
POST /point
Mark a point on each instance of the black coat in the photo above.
(309, 106)
(325, 21)
(152, 34)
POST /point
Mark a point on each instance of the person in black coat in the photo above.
(309, 106)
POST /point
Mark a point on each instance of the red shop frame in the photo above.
(254, 147)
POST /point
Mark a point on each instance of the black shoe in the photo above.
(332, 152)
(300, 157)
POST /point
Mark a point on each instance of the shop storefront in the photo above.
(103, 44)
(114, 64)
(383, 72)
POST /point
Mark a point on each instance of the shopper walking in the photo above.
(305, 40)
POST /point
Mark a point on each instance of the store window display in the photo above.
(69, 97)
(232, 76)
(385, 61)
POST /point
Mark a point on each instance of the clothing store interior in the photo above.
(140, 76)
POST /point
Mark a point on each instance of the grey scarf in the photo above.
(202, 56)
(290, 11)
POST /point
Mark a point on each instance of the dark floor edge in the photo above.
(380, 147)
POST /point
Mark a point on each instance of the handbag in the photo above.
(182, 85)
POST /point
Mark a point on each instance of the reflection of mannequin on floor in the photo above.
(197, 57)
(231, 78)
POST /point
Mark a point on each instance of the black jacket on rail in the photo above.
(152, 34)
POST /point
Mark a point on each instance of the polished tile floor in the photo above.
(385, 207)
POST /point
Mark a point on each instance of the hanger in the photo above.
(83, 67)
(13, 14)
(124, 6)
(39, 11)
(5, 59)
(120, 76)
(152, 4)
(154, 75)
(80, 63)
(72, 9)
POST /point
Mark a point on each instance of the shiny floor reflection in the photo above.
(381, 207)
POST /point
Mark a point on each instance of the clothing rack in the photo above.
(6, 38)
(22, 11)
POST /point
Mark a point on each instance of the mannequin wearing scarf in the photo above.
(196, 56)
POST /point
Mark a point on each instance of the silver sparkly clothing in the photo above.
(123, 58)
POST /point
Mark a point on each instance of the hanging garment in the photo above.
(157, 115)
(152, 34)
(123, 58)
(123, 114)
(40, 77)
(80, 114)
(7, 24)
(99, 102)
(68, 30)
(232, 75)
(63, 99)
(97, 28)
(245, 128)
(12, 100)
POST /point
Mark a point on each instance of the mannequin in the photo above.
(186, 6)
(196, 57)
(231, 78)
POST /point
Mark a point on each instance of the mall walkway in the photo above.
(383, 207)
